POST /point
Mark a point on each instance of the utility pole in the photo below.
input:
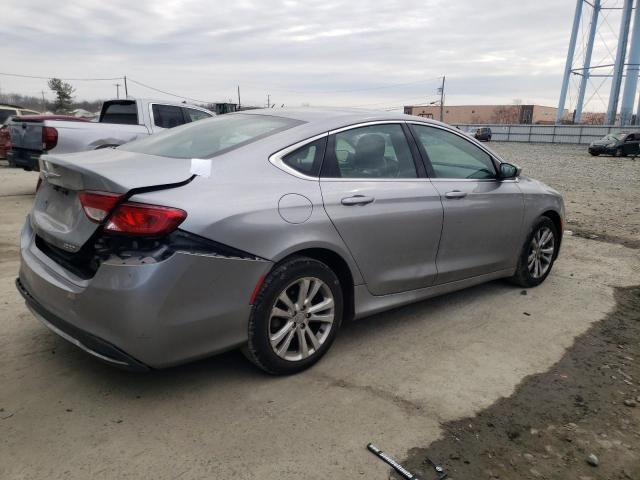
(126, 90)
(238, 97)
(441, 91)
(117, 85)
(268, 101)
(44, 102)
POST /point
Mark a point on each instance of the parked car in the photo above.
(617, 144)
(5, 140)
(120, 121)
(5, 132)
(480, 133)
(268, 229)
(7, 111)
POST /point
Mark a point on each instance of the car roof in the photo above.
(335, 117)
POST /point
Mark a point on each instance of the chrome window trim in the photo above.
(276, 158)
(365, 124)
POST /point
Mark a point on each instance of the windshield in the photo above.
(211, 137)
(617, 136)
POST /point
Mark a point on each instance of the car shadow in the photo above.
(232, 368)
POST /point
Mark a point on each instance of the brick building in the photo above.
(477, 114)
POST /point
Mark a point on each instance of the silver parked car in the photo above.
(268, 229)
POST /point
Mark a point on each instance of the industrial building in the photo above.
(478, 114)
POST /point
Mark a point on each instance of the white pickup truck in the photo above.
(120, 122)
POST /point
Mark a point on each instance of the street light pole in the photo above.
(441, 89)
(117, 85)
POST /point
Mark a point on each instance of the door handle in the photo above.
(357, 200)
(455, 194)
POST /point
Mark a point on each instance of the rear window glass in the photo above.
(6, 113)
(122, 113)
(307, 159)
(214, 136)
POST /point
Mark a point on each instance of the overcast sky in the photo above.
(320, 52)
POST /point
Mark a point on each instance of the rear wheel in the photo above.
(594, 154)
(295, 317)
(618, 152)
(538, 254)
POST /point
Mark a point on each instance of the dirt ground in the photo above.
(601, 193)
(586, 404)
(551, 368)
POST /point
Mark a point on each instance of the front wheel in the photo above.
(295, 317)
(538, 254)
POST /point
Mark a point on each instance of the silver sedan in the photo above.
(266, 230)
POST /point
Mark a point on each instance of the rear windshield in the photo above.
(214, 136)
(5, 114)
(124, 113)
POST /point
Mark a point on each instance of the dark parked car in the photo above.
(480, 133)
(617, 144)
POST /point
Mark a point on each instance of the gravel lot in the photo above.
(602, 194)
(404, 379)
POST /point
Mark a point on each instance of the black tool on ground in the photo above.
(389, 460)
(392, 462)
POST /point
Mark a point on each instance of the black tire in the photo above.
(594, 154)
(618, 152)
(523, 277)
(259, 350)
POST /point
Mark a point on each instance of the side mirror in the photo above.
(509, 171)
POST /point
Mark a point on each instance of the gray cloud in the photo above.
(317, 51)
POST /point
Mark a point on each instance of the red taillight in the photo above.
(142, 219)
(97, 205)
(49, 138)
(130, 218)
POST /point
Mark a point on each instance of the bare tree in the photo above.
(593, 118)
(506, 114)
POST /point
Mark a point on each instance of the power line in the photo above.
(53, 76)
(165, 92)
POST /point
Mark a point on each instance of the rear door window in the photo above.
(376, 151)
(124, 113)
(167, 116)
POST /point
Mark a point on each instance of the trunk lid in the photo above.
(58, 216)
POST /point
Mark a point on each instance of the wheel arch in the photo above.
(557, 221)
(340, 267)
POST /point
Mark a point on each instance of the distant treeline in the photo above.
(35, 103)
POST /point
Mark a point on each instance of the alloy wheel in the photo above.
(301, 319)
(541, 250)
